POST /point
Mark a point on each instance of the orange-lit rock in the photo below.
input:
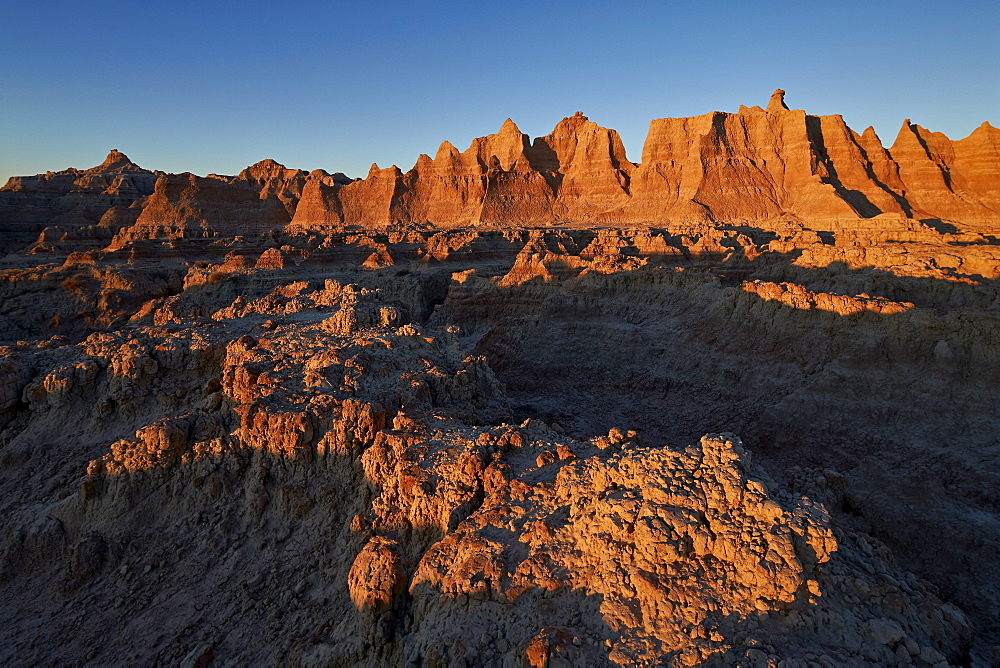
(188, 206)
(70, 198)
(485, 411)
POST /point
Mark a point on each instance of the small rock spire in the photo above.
(509, 127)
(116, 161)
(777, 102)
(115, 156)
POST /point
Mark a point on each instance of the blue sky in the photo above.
(215, 86)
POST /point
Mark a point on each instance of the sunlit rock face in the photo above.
(764, 166)
(526, 404)
(70, 199)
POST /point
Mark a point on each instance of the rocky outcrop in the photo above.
(709, 550)
(71, 198)
(374, 201)
(591, 173)
(798, 297)
(765, 166)
(357, 487)
(577, 172)
(756, 165)
(318, 208)
(184, 206)
(950, 180)
(294, 418)
(274, 180)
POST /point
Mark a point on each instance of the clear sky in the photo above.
(214, 86)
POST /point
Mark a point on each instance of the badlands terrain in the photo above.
(528, 404)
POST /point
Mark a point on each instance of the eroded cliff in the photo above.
(476, 413)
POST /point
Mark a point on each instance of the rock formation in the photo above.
(69, 198)
(525, 404)
(302, 464)
(188, 206)
(950, 180)
(761, 166)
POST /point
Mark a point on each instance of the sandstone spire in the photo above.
(446, 151)
(509, 127)
(777, 102)
(116, 162)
